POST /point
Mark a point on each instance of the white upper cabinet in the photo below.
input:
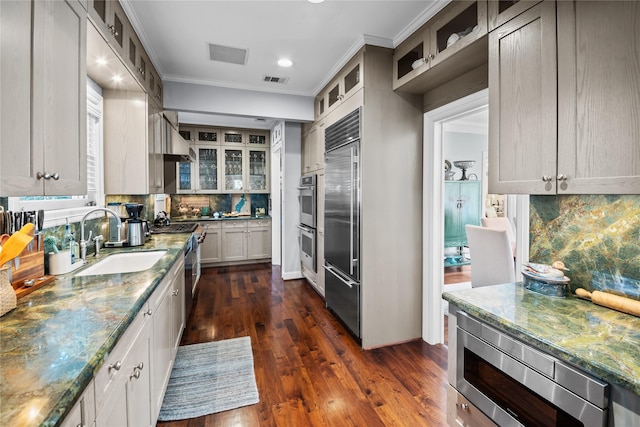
(447, 46)
(343, 86)
(43, 115)
(112, 22)
(564, 100)
(599, 97)
(523, 103)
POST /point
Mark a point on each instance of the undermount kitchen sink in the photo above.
(126, 262)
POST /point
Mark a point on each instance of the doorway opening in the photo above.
(435, 125)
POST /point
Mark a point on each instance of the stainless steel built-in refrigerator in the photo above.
(342, 220)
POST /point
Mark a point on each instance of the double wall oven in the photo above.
(307, 226)
(514, 384)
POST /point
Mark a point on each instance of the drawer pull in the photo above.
(463, 406)
(136, 374)
(116, 366)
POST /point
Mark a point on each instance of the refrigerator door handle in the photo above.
(355, 214)
(351, 211)
(349, 283)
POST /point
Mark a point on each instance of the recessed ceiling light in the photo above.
(316, 1)
(117, 78)
(101, 61)
(284, 62)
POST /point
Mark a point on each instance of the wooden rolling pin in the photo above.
(623, 304)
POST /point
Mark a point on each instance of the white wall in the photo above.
(291, 171)
(465, 146)
(219, 100)
(276, 202)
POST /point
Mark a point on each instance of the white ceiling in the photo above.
(474, 122)
(319, 38)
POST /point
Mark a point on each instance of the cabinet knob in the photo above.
(139, 366)
(136, 374)
(562, 177)
(115, 366)
(546, 178)
(113, 30)
(175, 293)
(431, 56)
(47, 176)
(148, 312)
(464, 407)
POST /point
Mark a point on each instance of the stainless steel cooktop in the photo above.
(185, 227)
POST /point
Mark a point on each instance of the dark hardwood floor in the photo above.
(309, 371)
(457, 274)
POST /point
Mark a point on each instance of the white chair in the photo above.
(491, 256)
(502, 223)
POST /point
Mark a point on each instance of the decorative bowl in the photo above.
(417, 63)
(464, 164)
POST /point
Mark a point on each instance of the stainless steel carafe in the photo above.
(136, 233)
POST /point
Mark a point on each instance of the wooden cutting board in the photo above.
(24, 290)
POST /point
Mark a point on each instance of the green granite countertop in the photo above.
(54, 341)
(601, 341)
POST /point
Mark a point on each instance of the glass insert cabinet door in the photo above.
(184, 176)
(233, 169)
(257, 170)
(208, 168)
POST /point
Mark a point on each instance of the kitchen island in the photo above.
(58, 337)
(603, 342)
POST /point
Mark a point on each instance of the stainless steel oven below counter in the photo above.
(515, 384)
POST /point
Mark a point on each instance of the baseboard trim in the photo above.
(291, 275)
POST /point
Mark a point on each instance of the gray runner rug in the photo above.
(210, 377)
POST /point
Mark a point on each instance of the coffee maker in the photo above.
(137, 229)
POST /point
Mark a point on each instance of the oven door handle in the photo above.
(305, 229)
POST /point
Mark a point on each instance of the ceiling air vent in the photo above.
(227, 54)
(272, 79)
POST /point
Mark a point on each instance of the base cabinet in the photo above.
(210, 249)
(167, 312)
(236, 241)
(123, 381)
(128, 389)
(161, 343)
(83, 412)
(259, 240)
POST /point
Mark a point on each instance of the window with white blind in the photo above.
(59, 208)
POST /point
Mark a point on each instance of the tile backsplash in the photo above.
(221, 203)
(596, 236)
